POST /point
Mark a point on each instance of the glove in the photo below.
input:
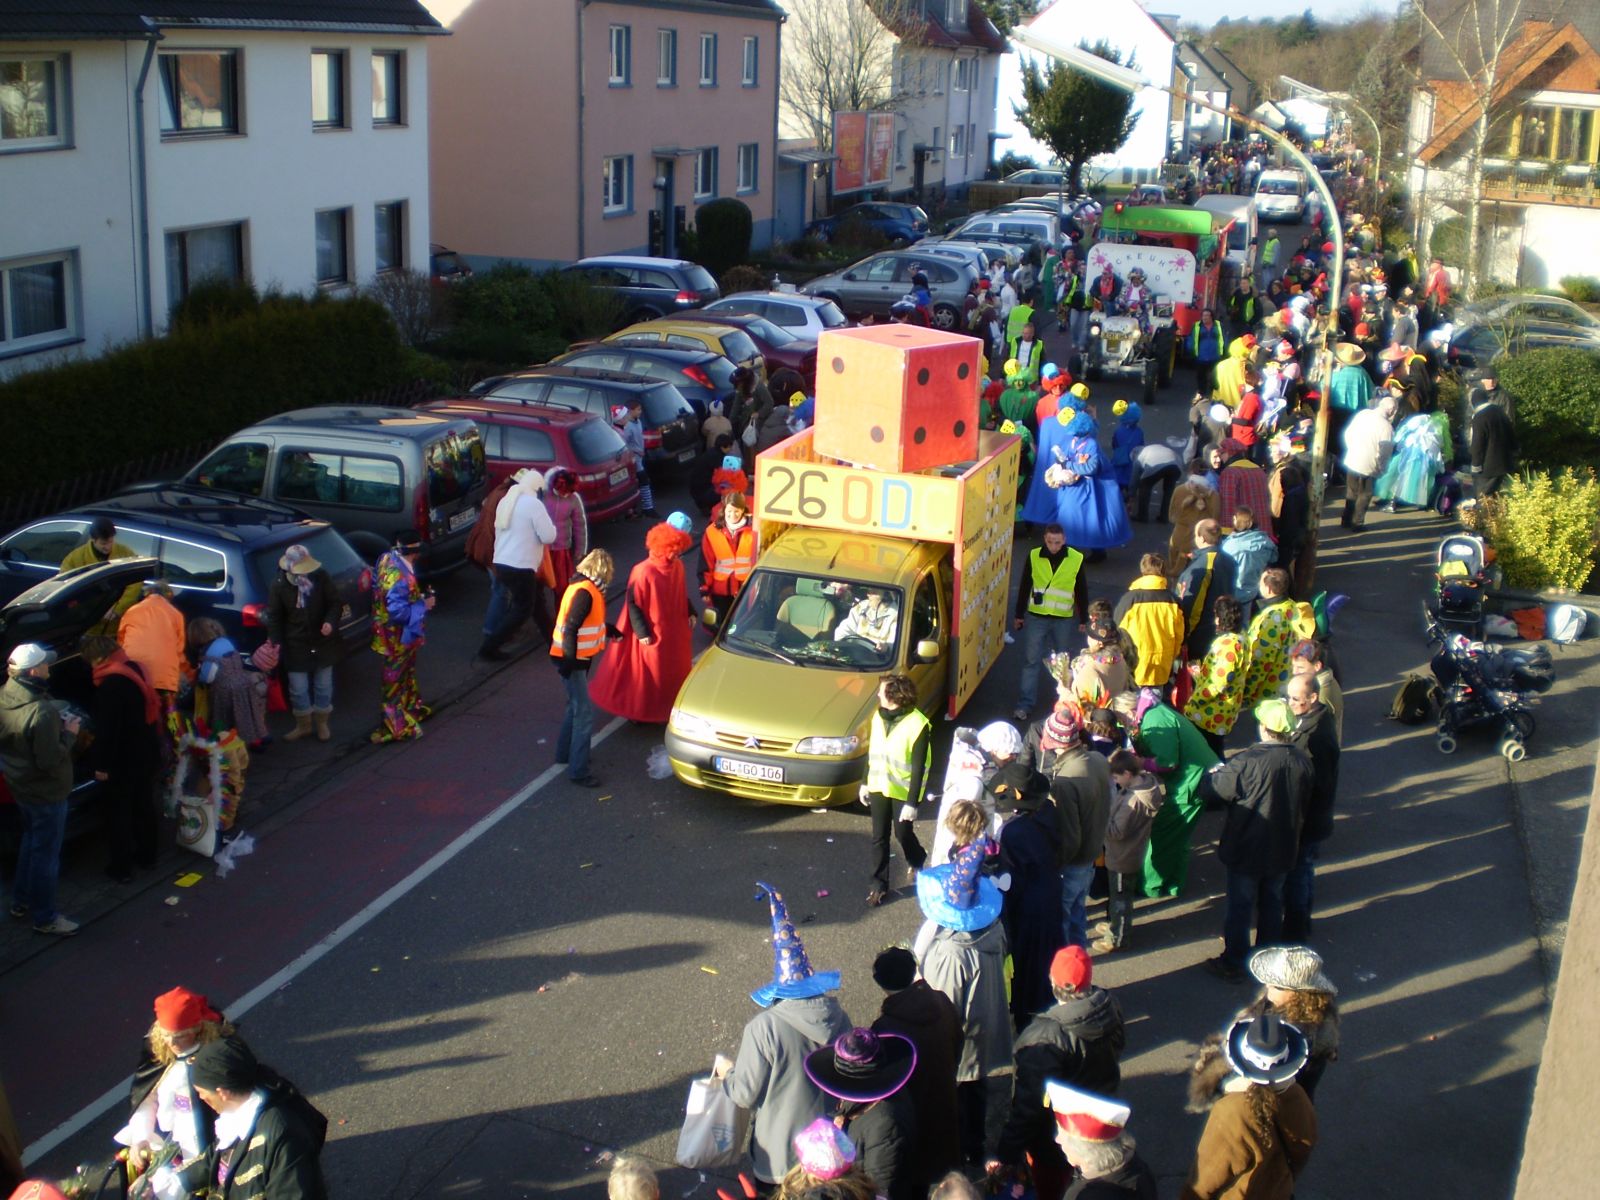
(865, 794)
(908, 812)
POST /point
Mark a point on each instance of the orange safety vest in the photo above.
(731, 558)
(592, 633)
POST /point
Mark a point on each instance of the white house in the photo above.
(140, 154)
(1128, 28)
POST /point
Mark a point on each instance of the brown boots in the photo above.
(302, 727)
(320, 716)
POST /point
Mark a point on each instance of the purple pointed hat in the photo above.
(792, 974)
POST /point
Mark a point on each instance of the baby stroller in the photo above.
(1459, 579)
(1483, 686)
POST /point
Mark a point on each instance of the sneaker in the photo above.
(60, 927)
(1224, 970)
(19, 911)
(1103, 946)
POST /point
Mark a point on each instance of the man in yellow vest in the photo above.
(899, 756)
(580, 636)
(1052, 596)
(727, 556)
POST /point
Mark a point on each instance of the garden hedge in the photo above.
(1558, 406)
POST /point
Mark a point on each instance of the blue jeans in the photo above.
(39, 859)
(1075, 883)
(310, 690)
(497, 605)
(1040, 636)
(572, 743)
(1299, 893)
(1251, 896)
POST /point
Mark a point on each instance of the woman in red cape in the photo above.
(639, 676)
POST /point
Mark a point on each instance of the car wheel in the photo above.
(945, 316)
(1149, 392)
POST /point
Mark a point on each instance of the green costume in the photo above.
(1017, 405)
(1182, 756)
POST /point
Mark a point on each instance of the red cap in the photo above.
(1071, 968)
(1327, 247)
(182, 1009)
(1250, 340)
(983, 284)
(1363, 330)
(38, 1189)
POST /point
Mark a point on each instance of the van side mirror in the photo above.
(926, 651)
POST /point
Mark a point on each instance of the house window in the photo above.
(752, 58)
(621, 55)
(388, 87)
(617, 187)
(900, 148)
(193, 255)
(37, 304)
(959, 76)
(333, 247)
(955, 14)
(391, 236)
(749, 164)
(922, 73)
(972, 140)
(1537, 123)
(200, 92)
(1573, 141)
(939, 78)
(935, 143)
(327, 89)
(708, 60)
(32, 102)
(667, 58)
(705, 173)
(958, 141)
(904, 74)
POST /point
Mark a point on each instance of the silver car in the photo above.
(803, 316)
(874, 284)
(967, 252)
(1013, 225)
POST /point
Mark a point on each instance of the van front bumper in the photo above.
(813, 782)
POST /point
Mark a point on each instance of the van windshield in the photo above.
(1279, 187)
(816, 620)
(455, 466)
(1238, 237)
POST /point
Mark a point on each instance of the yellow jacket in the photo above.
(1153, 619)
(85, 556)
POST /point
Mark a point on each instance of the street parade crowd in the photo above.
(994, 1055)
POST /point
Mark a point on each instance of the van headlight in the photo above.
(689, 725)
(828, 747)
(1094, 330)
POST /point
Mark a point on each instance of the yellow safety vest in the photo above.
(1054, 589)
(889, 765)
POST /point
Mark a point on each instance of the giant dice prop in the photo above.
(897, 397)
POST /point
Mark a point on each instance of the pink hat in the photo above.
(824, 1150)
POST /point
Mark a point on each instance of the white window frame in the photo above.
(900, 148)
(705, 173)
(750, 63)
(955, 14)
(939, 77)
(667, 56)
(339, 97)
(395, 83)
(936, 143)
(334, 282)
(958, 141)
(11, 345)
(963, 75)
(621, 56)
(241, 234)
(749, 168)
(708, 60)
(403, 212)
(179, 132)
(616, 178)
(60, 103)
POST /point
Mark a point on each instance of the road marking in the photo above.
(96, 1109)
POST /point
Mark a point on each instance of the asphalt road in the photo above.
(495, 1017)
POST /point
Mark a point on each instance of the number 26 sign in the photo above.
(829, 496)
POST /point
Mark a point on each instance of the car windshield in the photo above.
(455, 465)
(664, 404)
(816, 620)
(1279, 187)
(595, 442)
(736, 344)
(830, 316)
(699, 278)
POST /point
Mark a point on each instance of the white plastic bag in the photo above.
(658, 766)
(715, 1129)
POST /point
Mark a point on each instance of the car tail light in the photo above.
(599, 477)
(652, 439)
(254, 616)
(699, 376)
(687, 297)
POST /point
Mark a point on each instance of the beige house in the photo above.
(565, 130)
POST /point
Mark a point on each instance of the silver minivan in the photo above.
(875, 284)
(1013, 225)
(1281, 195)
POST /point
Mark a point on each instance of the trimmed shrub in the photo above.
(1544, 528)
(1584, 289)
(201, 382)
(215, 299)
(722, 231)
(1558, 406)
(743, 278)
(510, 316)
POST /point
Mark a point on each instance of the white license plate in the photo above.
(463, 518)
(619, 476)
(685, 455)
(747, 770)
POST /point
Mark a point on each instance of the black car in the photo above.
(218, 551)
(671, 430)
(699, 374)
(648, 287)
(1486, 330)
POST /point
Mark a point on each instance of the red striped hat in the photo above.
(1084, 1115)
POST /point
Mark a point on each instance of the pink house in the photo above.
(559, 131)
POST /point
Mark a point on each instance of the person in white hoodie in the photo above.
(522, 529)
(1368, 442)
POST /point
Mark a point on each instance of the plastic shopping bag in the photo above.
(715, 1129)
(196, 793)
(658, 765)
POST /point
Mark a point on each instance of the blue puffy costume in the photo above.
(1125, 439)
(1090, 511)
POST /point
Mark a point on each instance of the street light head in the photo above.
(1122, 78)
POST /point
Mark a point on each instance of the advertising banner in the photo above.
(850, 144)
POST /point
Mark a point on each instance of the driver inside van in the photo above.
(874, 618)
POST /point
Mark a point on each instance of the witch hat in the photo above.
(792, 975)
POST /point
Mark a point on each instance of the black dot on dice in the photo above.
(921, 435)
(961, 427)
(838, 366)
(877, 433)
(963, 370)
(922, 377)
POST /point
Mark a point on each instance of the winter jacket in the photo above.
(1237, 1161)
(35, 755)
(926, 1016)
(1252, 552)
(1192, 502)
(87, 556)
(280, 1160)
(1133, 810)
(151, 633)
(126, 746)
(299, 630)
(1242, 484)
(969, 968)
(885, 1138)
(1351, 389)
(1368, 441)
(773, 429)
(1494, 441)
(1155, 622)
(1133, 1180)
(1317, 734)
(1076, 1042)
(769, 1077)
(1210, 573)
(1080, 787)
(1268, 790)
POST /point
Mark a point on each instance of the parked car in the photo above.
(731, 342)
(966, 252)
(219, 552)
(1036, 177)
(370, 472)
(671, 432)
(518, 435)
(1008, 252)
(777, 345)
(445, 265)
(874, 284)
(801, 315)
(1013, 225)
(1486, 330)
(648, 287)
(701, 375)
(1149, 193)
(898, 224)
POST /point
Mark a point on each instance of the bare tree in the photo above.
(838, 56)
(411, 300)
(1474, 36)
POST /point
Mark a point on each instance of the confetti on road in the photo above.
(172, 900)
(1366, 976)
(822, 893)
(601, 799)
(711, 970)
(375, 970)
(189, 879)
(584, 866)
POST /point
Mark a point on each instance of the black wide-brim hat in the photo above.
(863, 1066)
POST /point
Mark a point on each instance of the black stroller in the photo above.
(1484, 686)
(1460, 577)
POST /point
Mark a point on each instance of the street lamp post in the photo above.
(1128, 80)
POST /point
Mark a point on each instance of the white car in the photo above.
(803, 316)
